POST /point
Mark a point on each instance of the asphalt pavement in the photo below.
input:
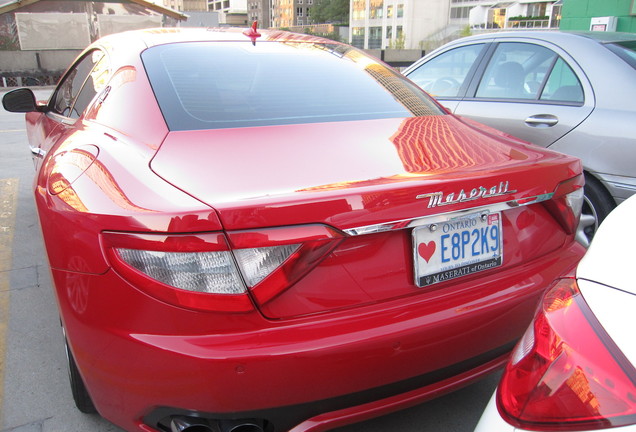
(34, 391)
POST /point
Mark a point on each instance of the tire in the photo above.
(82, 399)
(598, 204)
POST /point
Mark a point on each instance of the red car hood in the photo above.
(350, 174)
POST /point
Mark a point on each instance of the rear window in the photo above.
(625, 50)
(213, 85)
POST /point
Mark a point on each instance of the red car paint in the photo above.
(349, 336)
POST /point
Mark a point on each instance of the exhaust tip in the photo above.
(244, 425)
(189, 424)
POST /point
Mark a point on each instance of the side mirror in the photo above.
(20, 101)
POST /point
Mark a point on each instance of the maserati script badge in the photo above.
(439, 199)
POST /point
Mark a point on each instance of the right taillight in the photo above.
(567, 202)
(566, 374)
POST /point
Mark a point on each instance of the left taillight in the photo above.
(566, 374)
(215, 271)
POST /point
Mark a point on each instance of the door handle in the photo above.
(38, 152)
(542, 120)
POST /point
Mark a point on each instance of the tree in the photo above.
(330, 11)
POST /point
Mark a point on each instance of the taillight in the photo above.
(292, 251)
(208, 272)
(191, 271)
(566, 373)
(567, 202)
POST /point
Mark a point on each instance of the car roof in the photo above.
(555, 36)
(166, 35)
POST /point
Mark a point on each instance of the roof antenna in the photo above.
(252, 33)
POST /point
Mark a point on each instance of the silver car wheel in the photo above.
(588, 223)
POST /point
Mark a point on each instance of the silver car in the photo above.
(572, 92)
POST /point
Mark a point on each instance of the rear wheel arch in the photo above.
(598, 204)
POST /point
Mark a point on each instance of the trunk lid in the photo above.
(358, 176)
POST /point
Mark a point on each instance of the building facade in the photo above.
(521, 14)
(380, 24)
(416, 24)
(195, 5)
(290, 13)
(259, 10)
(173, 4)
(231, 12)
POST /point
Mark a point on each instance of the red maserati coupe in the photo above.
(272, 232)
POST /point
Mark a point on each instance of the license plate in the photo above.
(457, 248)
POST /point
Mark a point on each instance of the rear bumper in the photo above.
(301, 418)
(138, 356)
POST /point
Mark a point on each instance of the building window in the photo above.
(299, 11)
(359, 8)
(400, 10)
(498, 18)
(357, 37)
(389, 32)
(400, 32)
(389, 11)
(376, 9)
(375, 37)
(536, 10)
(460, 12)
(555, 17)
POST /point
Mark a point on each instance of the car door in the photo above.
(69, 100)
(531, 90)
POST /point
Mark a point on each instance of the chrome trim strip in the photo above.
(444, 217)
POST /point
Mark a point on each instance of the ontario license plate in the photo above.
(457, 248)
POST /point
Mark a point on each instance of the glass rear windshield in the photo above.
(625, 50)
(214, 85)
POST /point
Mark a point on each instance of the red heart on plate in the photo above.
(426, 250)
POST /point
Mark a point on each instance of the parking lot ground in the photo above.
(34, 391)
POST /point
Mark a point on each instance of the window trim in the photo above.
(471, 92)
(51, 103)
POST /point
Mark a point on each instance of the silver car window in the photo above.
(444, 75)
(562, 85)
(516, 71)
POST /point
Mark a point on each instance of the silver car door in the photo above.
(530, 91)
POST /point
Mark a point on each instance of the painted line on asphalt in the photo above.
(8, 205)
(12, 130)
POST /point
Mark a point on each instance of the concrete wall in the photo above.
(36, 62)
(397, 58)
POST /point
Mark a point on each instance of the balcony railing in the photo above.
(529, 22)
